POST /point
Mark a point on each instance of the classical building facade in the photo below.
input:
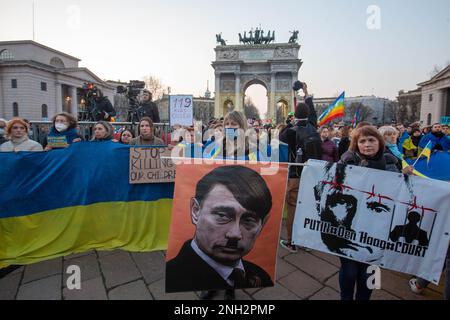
(435, 105)
(37, 82)
(274, 66)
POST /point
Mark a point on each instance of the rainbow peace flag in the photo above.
(335, 110)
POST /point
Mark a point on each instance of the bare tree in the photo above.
(436, 69)
(364, 111)
(250, 109)
(156, 87)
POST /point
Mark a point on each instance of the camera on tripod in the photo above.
(132, 92)
(88, 94)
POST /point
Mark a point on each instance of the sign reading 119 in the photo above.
(181, 110)
(182, 102)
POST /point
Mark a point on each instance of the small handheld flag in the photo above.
(425, 152)
(355, 119)
(335, 110)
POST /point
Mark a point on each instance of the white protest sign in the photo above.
(181, 110)
(377, 217)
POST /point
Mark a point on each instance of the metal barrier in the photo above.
(39, 129)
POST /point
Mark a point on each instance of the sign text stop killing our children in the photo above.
(147, 165)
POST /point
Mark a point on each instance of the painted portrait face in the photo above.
(225, 230)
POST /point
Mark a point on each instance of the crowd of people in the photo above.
(384, 148)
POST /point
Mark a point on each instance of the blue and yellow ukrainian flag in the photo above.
(75, 199)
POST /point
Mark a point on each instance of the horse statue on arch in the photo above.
(220, 40)
(294, 37)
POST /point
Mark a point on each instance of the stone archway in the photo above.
(248, 84)
(274, 66)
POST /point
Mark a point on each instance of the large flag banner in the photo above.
(225, 227)
(75, 199)
(377, 217)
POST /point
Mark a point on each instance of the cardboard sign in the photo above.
(146, 165)
(57, 142)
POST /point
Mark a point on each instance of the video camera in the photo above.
(88, 94)
(132, 91)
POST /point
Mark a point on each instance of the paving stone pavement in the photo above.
(121, 275)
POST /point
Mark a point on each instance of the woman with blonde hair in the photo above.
(103, 131)
(17, 131)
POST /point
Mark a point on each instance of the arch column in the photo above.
(217, 103)
(73, 101)
(272, 108)
(238, 96)
(59, 102)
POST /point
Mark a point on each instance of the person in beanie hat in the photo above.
(17, 131)
(304, 143)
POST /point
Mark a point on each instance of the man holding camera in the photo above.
(148, 108)
(102, 109)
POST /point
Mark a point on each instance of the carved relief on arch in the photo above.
(284, 52)
(228, 54)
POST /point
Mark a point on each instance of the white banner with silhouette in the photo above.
(377, 217)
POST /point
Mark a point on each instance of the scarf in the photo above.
(376, 162)
(393, 148)
(17, 141)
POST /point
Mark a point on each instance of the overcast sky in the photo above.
(174, 40)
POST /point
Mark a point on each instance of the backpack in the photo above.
(308, 145)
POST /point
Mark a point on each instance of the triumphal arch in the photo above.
(256, 60)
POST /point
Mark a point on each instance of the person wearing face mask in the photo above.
(63, 132)
(3, 123)
(233, 144)
(17, 131)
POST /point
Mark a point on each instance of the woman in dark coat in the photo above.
(367, 149)
(329, 150)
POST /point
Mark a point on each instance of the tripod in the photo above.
(134, 114)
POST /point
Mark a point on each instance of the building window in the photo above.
(44, 111)
(429, 120)
(6, 55)
(430, 98)
(15, 109)
(14, 83)
(43, 86)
